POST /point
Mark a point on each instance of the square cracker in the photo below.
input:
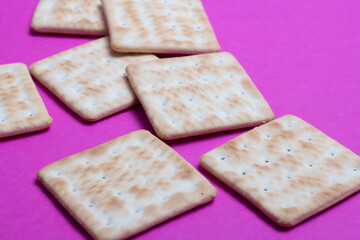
(21, 107)
(159, 26)
(289, 169)
(125, 186)
(90, 79)
(188, 96)
(82, 17)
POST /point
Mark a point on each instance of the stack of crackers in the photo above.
(286, 167)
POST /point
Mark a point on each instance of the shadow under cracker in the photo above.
(60, 103)
(163, 224)
(142, 119)
(242, 200)
(63, 211)
(257, 211)
(86, 235)
(203, 136)
(34, 33)
(69, 110)
(24, 135)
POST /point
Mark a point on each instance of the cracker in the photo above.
(125, 186)
(289, 169)
(21, 107)
(159, 26)
(188, 96)
(81, 17)
(90, 79)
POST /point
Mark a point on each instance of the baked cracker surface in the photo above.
(125, 186)
(193, 95)
(289, 169)
(159, 26)
(80, 17)
(90, 78)
(21, 107)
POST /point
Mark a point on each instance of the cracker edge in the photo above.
(85, 116)
(145, 49)
(66, 31)
(46, 119)
(212, 192)
(283, 223)
(165, 136)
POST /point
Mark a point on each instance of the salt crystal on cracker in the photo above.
(21, 107)
(125, 186)
(289, 169)
(82, 17)
(188, 96)
(90, 79)
(159, 26)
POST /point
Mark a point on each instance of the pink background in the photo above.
(303, 56)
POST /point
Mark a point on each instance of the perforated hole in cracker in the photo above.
(295, 173)
(131, 24)
(69, 17)
(78, 78)
(18, 91)
(197, 85)
(121, 201)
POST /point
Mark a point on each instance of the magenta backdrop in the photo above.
(303, 56)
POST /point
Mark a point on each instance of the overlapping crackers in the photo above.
(125, 186)
(90, 79)
(21, 107)
(287, 168)
(187, 96)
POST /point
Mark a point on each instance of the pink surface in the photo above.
(303, 56)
